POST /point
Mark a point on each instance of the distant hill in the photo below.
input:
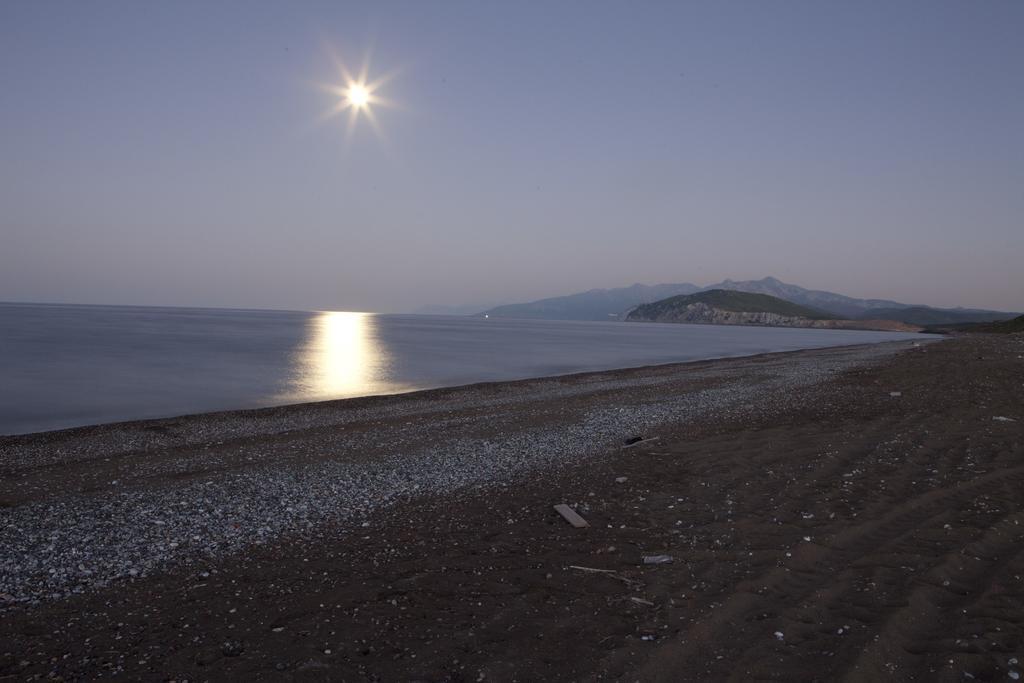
(727, 307)
(926, 315)
(697, 305)
(1003, 326)
(612, 304)
(597, 304)
(1012, 326)
(863, 309)
(844, 306)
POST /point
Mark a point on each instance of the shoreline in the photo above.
(51, 402)
(425, 393)
(796, 494)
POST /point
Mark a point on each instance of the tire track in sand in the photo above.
(810, 570)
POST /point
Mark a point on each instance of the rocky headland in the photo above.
(725, 307)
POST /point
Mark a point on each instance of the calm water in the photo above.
(62, 366)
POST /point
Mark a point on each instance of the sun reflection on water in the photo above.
(341, 358)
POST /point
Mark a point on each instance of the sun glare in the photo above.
(341, 358)
(358, 95)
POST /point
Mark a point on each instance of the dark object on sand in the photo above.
(570, 516)
(636, 441)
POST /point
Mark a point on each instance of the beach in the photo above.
(850, 512)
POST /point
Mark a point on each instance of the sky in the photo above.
(179, 153)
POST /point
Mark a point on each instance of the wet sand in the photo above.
(820, 529)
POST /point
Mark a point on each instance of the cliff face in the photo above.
(702, 313)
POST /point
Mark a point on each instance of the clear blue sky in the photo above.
(174, 153)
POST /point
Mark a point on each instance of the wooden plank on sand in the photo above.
(571, 516)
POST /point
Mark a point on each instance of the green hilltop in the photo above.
(1004, 326)
(728, 300)
(1012, 326)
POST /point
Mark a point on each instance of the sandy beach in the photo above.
(845, 513)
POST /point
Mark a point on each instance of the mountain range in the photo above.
(615, 304)
(732, 307)
(596, 304)
(689, 307)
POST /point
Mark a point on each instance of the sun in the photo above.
(357, 95)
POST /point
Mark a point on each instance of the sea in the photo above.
(68, 365)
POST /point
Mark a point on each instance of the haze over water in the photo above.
(65, 366)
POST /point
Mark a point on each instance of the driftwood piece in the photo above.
(633, 584)
(592, 569)
(570, 516)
